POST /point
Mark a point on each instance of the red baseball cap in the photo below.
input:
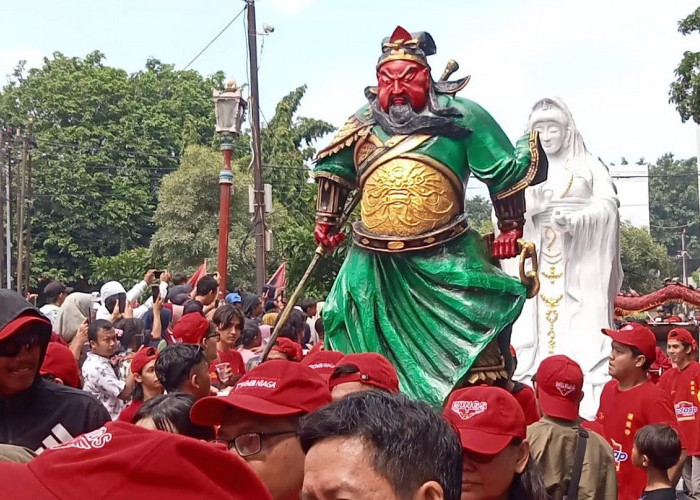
(275, 388)
(635, 335)
(60, 362)
(374, 370)
(121, 460)
(288, 347)
(142, 357)
(486, 418)
(191, 329)
(26, 321)
(559, 387)
(682, 335)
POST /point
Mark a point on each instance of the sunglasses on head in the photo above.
(13, 345)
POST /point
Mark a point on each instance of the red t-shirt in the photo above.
(128, 413)
(682, 387)
(525, 395)
(232, 357)
(622, 414)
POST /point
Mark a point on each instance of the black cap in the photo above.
(55, 288)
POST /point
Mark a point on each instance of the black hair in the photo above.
(294, 324)
(344, 370)
(225, 315)
(660, 443)
(249, 301)
(407, 442)
(175, 363)
(132, 328)
(179, 279)
(250, 332)
(206, 285)
(180, 299)
(171, 413)
(192, 306)
(319, 327)
(636, 352)
(111, 301)
(53, 298)
(529, 484)
(306, 304)
(270, 306)
(96, 326)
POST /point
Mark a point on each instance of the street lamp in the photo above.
(230, 109)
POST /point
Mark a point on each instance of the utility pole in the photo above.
(29, 205)
(259, 217)
(20, 215)
(8, 213)
(2, 206)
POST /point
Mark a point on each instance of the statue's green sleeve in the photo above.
(492, 158)
(338, 165)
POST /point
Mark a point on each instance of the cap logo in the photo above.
(258, 383)
(319, 366)
(564, 388)
(469, 409)
(92, 440)
(627, 327)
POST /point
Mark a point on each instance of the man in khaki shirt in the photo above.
(553, 439)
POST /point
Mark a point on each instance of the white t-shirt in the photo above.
(103, 383)
(51, 312)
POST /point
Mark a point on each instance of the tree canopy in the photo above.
(685, 90)
(104, 140)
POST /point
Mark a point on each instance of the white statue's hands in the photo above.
(561, 221)
(539, 200)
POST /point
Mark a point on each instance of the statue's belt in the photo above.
(395, 244)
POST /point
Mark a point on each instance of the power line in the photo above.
(215, 38)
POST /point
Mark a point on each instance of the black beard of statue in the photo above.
(434, 120)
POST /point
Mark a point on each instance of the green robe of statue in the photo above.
(418, 285)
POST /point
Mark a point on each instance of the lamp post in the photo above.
(230, 109)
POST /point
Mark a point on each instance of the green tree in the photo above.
(685, 91)
(479, 210)
(645, 261)
(105, 138)
(673, 204)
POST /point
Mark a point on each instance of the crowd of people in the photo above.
(109, 396)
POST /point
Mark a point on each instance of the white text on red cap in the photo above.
(469, 409)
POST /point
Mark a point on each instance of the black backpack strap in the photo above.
(581, 443)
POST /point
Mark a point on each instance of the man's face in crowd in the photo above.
(257, 311)
(106, 344)
(230, 334)
(490, 476)
(280, 461)
(677, 352)
(341, 390)
(341, 468)
(403, 83)
(209, 298)
(19, 361)
(622, 362)
(148, 377)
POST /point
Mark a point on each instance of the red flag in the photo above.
(279, 279)
(198, 274)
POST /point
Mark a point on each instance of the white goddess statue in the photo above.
(573, 220)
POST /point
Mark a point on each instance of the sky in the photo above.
(610, 60)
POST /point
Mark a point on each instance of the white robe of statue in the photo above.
(573, 220)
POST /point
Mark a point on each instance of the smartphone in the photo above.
(157, 274)
(122, 302)
(155, 292)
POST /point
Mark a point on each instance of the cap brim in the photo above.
(21, 322)
(211, 410)
(557, 407)
(68, 290)
(482, 442)
(624, 340)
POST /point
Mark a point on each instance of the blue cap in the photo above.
(232, 298)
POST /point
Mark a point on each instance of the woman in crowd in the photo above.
(496, 454)
(251, 337)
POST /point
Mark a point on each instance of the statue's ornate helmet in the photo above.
(403, 45)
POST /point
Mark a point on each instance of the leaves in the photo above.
(685, 91)
(645, 261)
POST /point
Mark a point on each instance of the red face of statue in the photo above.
(403, 82)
